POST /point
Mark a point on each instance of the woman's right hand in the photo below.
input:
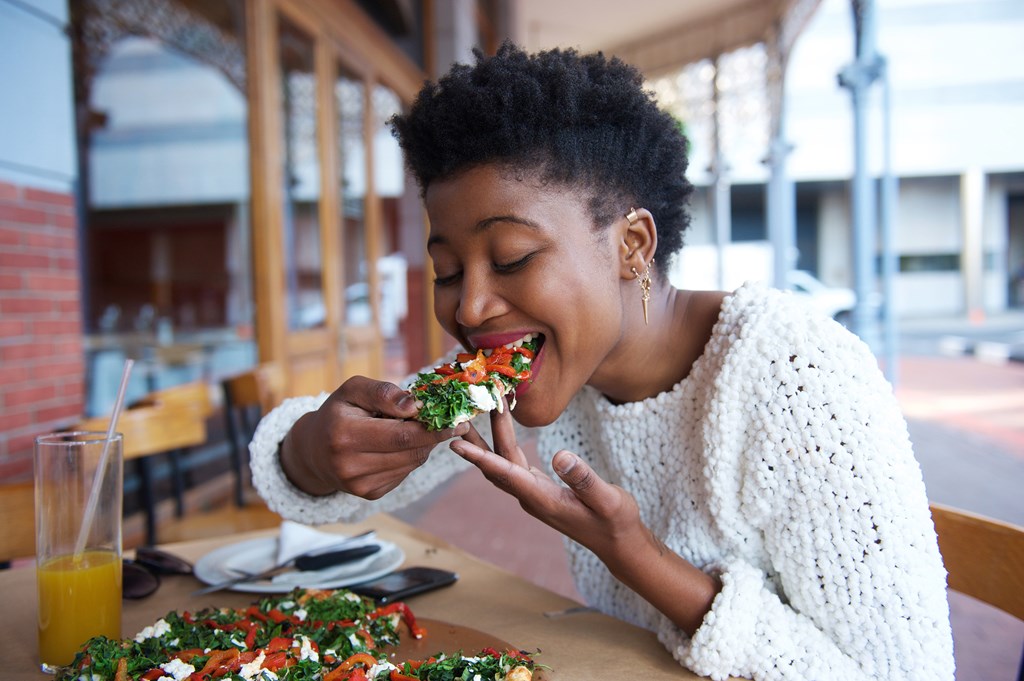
(362, 441)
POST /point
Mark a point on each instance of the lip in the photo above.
(495, 340)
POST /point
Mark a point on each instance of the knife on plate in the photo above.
(316, 559)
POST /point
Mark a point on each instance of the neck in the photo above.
(652, 358)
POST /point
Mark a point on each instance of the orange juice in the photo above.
(77, 600)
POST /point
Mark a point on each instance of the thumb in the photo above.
(574, 472)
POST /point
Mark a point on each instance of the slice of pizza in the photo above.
(305, 635)
(474, 383)
(291, 637)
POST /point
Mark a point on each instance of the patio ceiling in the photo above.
(658, 35)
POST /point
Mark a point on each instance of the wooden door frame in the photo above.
(340, 30)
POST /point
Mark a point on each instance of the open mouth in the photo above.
(536, 338)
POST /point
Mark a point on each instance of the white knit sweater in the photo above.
(782, 464)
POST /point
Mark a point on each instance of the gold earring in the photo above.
(632, 217)
(645, 286)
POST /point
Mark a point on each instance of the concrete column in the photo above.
(720, 192)
(455, 34)
(972, 255)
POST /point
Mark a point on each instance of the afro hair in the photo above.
(582, 121)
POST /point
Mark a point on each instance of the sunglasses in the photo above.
(141, 576)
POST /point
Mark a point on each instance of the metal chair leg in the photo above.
(234, 448)
(148, 501)
(178, 480)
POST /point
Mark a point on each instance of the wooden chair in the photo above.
(984, 559)
(194, 397)
(247, 397)
(17, 508)
(151, 429)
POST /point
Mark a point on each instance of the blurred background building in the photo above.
(204, 186)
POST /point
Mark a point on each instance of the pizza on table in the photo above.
(305, 635)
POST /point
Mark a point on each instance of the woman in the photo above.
(731, 471)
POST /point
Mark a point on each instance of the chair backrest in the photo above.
(17, 508)
(153, 429)
(262, 386)
(194, 395)
(984, 557)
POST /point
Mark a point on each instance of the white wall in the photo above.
(37, 144)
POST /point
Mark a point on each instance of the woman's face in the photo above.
(513, 257)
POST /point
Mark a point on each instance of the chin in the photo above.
(534, 418)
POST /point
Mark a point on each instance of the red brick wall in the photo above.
(42, 366)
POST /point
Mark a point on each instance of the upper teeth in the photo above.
(519, 343)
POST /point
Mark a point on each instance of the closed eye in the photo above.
(515, 266)
(447, 280)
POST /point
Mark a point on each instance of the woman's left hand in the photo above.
(599, 515)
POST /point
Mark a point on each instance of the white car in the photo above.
(833, 301)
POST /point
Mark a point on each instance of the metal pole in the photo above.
(781, 225)
(720, 184)
(857, 77)
(780, 198)
(890, 261)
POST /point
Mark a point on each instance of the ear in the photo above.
(638, 243)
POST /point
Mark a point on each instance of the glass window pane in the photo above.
(165, 174)
(401, 268)
(301, 173)
(350, 100)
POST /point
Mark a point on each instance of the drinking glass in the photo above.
(78, 542)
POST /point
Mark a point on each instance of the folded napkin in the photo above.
(296, 539)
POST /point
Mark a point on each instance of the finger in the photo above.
(373, 434)
(581, 478)
(474, 436)
(380, 398)
(501, 472)
(504, 432)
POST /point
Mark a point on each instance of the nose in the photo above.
(480, 300)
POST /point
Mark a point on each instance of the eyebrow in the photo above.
(488, 223)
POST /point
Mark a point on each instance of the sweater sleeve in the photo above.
(824, 477)
(292, 503)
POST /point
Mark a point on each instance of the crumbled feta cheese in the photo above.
(482, 398)
(253, 671)
(355, 598)
(285, 605)
(178, 669)
(238, 643)
(308, 652)
(159, 629)
(382, 665)
(173, 644)
(301, 614)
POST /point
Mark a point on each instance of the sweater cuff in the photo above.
(723, 645)
(272, 484)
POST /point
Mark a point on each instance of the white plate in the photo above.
(253, 555)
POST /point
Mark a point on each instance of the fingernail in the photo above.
(564, 462)
(408, 401)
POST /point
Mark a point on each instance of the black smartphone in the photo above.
(404, 583)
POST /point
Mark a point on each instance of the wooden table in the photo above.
(580, 646)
